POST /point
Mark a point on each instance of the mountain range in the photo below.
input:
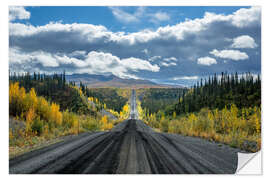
(104, 81)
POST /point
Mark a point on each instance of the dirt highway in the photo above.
(131, 147)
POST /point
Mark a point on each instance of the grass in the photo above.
(234, 127)
(21, 141)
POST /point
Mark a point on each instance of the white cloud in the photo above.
(93, 33)
(244, 41)
(43, 58)
(138, 14)
(18, 12)
(154, 58)
(185, 78)
(230, 54)
(136, 64)
(207, 61)
(168, 64)
(186, 41)
(145, 51)
(94, 63)
(245, 17)
(124, 16)
(170, 59)
(159, 16)
(78, 53)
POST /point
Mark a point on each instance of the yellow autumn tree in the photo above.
(174, 115)
(16, 99)
(211, 121)
(43, 109)
(164, 124)
(258, 120)
(56, 115)
(192, 119)
(30, 100)
(30, 115)
(105, 124)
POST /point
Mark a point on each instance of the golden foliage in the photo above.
(29, 106)
(105, 124)
(16, 99)
(56, 115)
(104, 120)
(174, 115)
(229, 125)
(30, 115)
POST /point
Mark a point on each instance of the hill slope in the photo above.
(101, 81)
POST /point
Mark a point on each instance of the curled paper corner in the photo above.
(249, 163)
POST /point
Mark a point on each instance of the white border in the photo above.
(138, 2)
(4, 73)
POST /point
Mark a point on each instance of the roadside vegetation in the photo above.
(56, 109)
(226, 110)
(113, 98)
(155, 99)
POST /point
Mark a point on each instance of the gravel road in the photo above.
(131, 147)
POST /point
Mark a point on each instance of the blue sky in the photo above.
(104, 16)
(164, 44)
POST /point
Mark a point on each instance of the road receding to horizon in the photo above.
(131, 147)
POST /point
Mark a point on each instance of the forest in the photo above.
(54, 88)
(109, 96)
(155, 99)
(218, 92)
(223, 108)
(46, 107)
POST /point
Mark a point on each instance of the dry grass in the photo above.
(235, 127)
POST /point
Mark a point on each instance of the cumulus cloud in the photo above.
(100, 33)
(207, 61)
(94, 63)
(244, 41)
(186, 41)
(18, 12)
(38, 57)
(230, 54)
(246, 17)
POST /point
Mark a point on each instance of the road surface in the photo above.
(131, 147)
(133, 106)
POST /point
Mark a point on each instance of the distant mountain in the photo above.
(102, 81)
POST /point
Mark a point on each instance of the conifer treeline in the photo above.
(54, 88)
(50, 83)
(217, 92)
(108, 96)
(158, 99)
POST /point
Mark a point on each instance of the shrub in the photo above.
(164, 124)
(55, 114)
(91, 124)
(69, 119)
(37, 126)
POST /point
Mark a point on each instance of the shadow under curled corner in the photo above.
(249, 163)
